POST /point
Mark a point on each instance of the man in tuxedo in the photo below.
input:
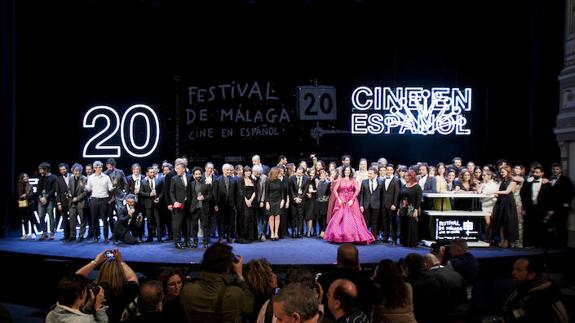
(129, 223)
(200, 196)
(391, 190)
(63, 200)
(134, 185)
(296, 186)
(77, 189)
(562, 196)
(226, 190)
(370, 199)
(151, 193)
(536, 198)
(179, 191)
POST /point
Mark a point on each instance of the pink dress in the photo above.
(347, 223)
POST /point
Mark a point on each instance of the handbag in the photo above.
(22, 203)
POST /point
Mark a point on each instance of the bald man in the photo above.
(342, 301)
(348, 267)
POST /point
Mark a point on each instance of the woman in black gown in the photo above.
(410, 202)
(248, 223)
(505, 222)
(274, 201)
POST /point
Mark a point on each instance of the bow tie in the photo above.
(537, 181)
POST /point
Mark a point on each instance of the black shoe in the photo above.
(160, 240)
(187, 244)
(194, 245)
(64, 239)
(205, 245)
(230, 240)
(96, 239)
(178, 245)
(150, 239)
(72, 239)
(106, 240)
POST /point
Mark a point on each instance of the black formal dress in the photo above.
(505, 215)
(410, 200)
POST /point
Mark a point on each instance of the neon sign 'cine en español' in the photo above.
(410, 110)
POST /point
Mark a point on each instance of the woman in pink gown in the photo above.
(347, 223)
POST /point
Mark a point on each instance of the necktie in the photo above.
(372, 186)
(299, 182)
(184, 181)
(227, 182)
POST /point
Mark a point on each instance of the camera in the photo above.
(94, 288)
(109, 255)
(435, 249)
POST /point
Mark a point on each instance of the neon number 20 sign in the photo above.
(98, 145)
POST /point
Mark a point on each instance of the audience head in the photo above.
(260, 277)
(150, 297)
(392, 285)
(348, 256)
(111, 277)
(72, 290)
(431, 260)
(172, 282)
(296, 303)
(341, 297)
(218, 258)
(458, 247)
(414, 263)
(526, 270)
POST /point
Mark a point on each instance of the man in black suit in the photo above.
(391, 189)
(134, 186)
(63, 200)
(370, 200)
(297, 185)
(151, 193)
(226, 190)
(535, 197)
(77, 189)
(179, 191)
(200, 196)
(562, 196)
(129, 223)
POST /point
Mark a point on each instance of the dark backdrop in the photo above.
(72, 56)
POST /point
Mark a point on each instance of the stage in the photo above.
(285, 252)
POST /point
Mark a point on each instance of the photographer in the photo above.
(118, 280)
(213, 297)
(73, 305)
(456, 256)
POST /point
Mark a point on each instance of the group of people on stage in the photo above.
(379, 202)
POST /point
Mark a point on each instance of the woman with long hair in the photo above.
(409, 211)
(119, 281)
(504, 222)
(347, 224)
(26, 205)
(443, 203)
(274, 201)
(488, 186)
(172, 281)
(396, 296)
(262, 282)
(519, 179)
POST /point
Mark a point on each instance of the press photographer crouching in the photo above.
(77, 302)
(456, 256)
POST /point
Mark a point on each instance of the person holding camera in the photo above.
(213, 297)
(118, 280)
(78, 302)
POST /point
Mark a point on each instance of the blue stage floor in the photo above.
(306, 251)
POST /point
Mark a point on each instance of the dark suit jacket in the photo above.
(206, 191)
(167, 186)
(370, 199)
(391, 194)
(132, 184)
(62, 190)
(146, 189)
(293, 189)
(562, 192)
(78, 192)
(179, 192)
(429, 186)
(543, 199)
(221, 197)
